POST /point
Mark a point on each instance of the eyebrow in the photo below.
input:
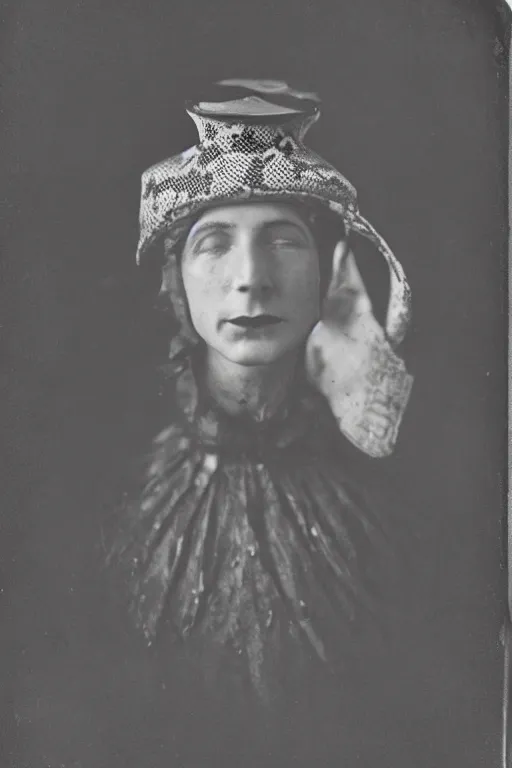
(285, 223)
(209, 226)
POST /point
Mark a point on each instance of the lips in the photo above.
(257, 321)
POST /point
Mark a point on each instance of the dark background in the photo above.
(415, 115)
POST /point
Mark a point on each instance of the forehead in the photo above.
(251, 215)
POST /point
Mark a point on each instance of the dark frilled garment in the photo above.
(251, 548)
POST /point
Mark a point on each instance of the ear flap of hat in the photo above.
(399, 306)
(350, 358)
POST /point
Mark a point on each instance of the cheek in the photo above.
(203, 279)
(303, 288)
(203, 289)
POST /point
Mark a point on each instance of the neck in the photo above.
(257, 390)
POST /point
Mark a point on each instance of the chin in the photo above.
(256, 354)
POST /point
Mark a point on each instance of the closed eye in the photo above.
(284, 244)
(215, 244)
(284, 235)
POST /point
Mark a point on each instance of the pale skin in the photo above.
(251, 276)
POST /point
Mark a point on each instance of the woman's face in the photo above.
(251, 276)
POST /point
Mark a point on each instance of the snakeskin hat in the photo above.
(251, 148)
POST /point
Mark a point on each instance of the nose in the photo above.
(252, 270)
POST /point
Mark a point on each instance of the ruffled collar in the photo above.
(249, 542)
